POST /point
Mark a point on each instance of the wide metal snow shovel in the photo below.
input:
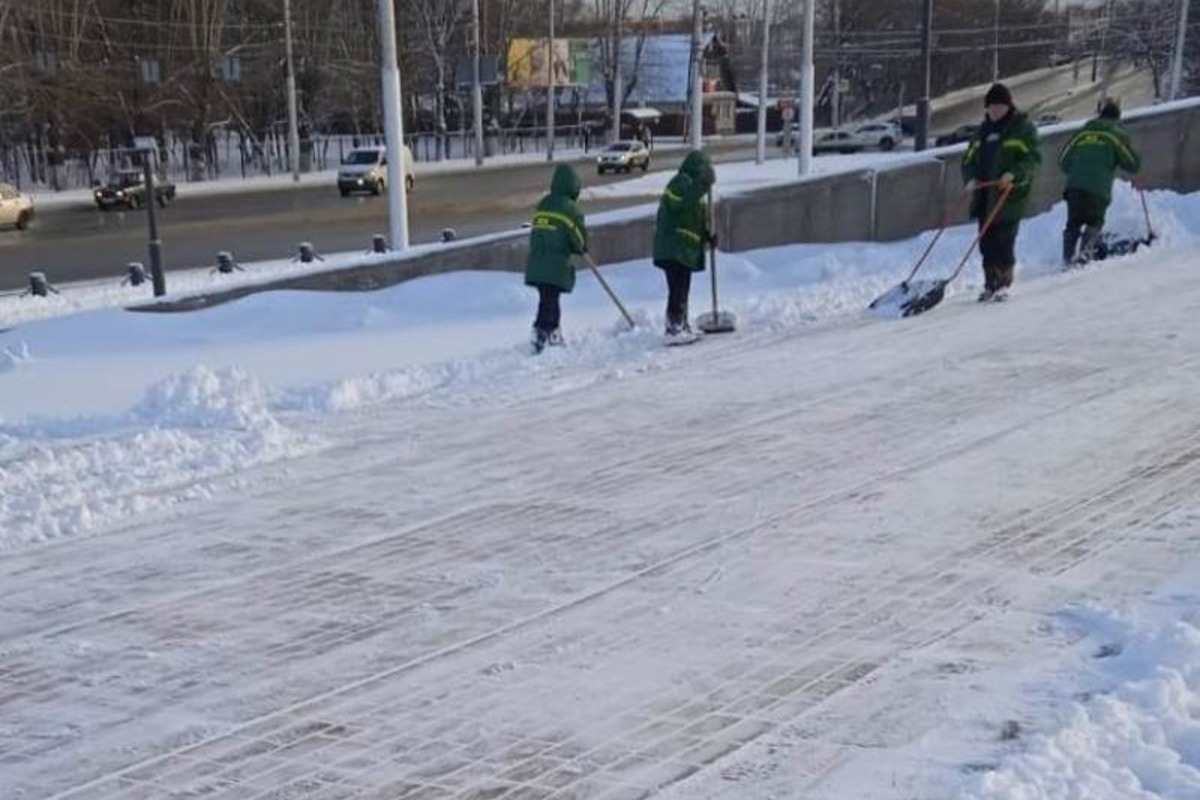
(716, 321)
(914, 297)
(612, 295)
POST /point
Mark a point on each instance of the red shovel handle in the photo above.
(984, 228)
(945, 224)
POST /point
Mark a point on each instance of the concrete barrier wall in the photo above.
(884, 205)
(908, 199)
(834, 208)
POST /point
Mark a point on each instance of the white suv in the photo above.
(364, 169)
(15, 208)
(884, 135)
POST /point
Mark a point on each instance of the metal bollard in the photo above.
(379, 243)
(38, 285)
(135, 273)
(225, 262)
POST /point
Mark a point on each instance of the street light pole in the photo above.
(807, 87)
(550, 91)
(697, 124)
(293, 121)
(618, 88)
(835, 98)
(1176, 85)
(477, 89)
(761, 144)
(393, 126)
(921, 140)
(996, 45)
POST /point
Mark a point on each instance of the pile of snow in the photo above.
(67, 477)
(1138, 736)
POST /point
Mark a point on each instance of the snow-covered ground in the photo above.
(365, 546)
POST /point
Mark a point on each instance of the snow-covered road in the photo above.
(803, 561)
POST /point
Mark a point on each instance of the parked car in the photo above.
(881, 135)
(16, 208)
(127, 188)
(623, 156)
(884, 135)
(1048, 119)
(963, 133)
(364, 169)
(837, 142)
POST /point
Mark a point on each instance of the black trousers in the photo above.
(549, 313)
(679, 287)
(998, 248)
(1085, 219)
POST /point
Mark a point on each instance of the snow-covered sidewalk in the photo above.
(808, 560)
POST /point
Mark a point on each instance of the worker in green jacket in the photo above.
(557, 233)
(681, 232)
(1004, 154)
(1090, 160)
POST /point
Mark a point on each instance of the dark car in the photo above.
(963, 133)
(127, 188)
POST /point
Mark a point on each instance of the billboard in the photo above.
(529, 60)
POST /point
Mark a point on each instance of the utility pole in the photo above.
(393, 126)
(477, 87)
(807, 88)
(697, 123)
(549, 91)
(835, 98)
(996, 45)
(293, 121)
(922, 137)
(760, 153)
(1177, 58)
(618, 87)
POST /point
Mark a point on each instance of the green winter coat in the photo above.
(1020, 154)
(681, 228)
(557, 233)
(1092, 157)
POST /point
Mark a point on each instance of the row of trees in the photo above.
(88, 74)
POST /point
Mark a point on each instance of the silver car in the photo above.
(623, 157)
(15, 208)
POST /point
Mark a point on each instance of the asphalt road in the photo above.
(82, 243)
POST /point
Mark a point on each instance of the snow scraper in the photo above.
(612, 295)
(716, 321)
(914, 297)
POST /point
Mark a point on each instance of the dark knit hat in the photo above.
(998, 95)
(1110, 109)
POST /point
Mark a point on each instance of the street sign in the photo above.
(144, 143)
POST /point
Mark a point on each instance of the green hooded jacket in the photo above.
(1092, 157)
(557, 233)
(1019, 152)
(681, 228)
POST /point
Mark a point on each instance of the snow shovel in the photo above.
(716, 321)
(914, 297)
(1150, 234)
(596, 271)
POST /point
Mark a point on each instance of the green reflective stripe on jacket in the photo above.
(545, 218)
